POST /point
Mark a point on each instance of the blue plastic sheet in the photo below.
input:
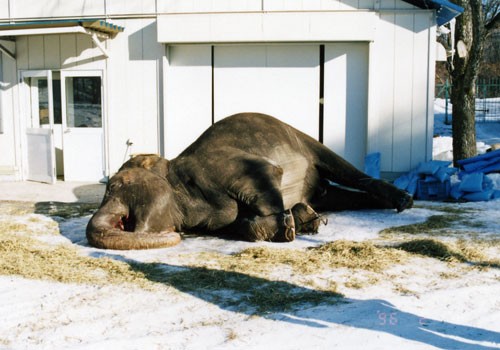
(443, 174)
(434, 175)
(455, 192)
(479, 196)
(402, 182)
(431, 167)
(472, 182)
(372, 165)
(484, 163)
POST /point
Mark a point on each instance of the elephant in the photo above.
(248, 175)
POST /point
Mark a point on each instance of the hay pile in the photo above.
(263, 261)
(31, 258)
(460, 251)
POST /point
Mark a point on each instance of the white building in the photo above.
(84, 84)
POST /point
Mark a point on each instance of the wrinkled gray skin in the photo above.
(248, 175)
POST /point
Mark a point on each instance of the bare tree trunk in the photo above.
(469, 42)
(463, 122)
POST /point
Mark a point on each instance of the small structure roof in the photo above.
(98, 25)
(445, 10)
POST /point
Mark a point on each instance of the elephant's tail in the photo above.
(115, 231)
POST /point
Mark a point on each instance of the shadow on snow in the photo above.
(286, 302)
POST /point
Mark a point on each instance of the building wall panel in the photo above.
(187, 95)
(403, 91)
(127, 7)
(401, 78)
(4, 9)
(56, 8)
(200, 6)
(383, 90)
(346, 100)
(35, 52)
(190, 6)
(423, 73)
(9, 157)
(51, 51)
(133, 73)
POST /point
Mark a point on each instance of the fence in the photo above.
(487, 99)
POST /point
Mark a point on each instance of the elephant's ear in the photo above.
(160, 167)
(149, 161)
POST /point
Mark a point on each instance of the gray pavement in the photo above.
(70, 192)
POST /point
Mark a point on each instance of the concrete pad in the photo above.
(61, 191)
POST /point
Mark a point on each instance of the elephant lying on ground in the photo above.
(248, 175)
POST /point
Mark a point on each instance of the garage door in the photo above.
(204, 84)
(280, 80)
(346, 100)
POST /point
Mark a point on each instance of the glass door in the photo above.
(82, 123)
(38, 111)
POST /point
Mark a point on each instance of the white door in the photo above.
(37, 108)
(82, 123)
(280, 80)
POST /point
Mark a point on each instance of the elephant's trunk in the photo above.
(114, 229)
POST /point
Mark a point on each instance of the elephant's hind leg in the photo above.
(262, 214)
(336, 198)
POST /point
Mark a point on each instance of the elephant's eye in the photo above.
(113, 186)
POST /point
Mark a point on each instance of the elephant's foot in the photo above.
(286, 228)
(306, 219)
(405, 201)
(398, 199)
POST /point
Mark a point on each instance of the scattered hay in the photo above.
(447, 209)
(461, 251)
(260, 261)
(402, 290)
(428, 247)
(13, 227)
(358, 255)
(34, 226)
(30, 258)
(360, 282)
(16, 208)
(252, 279)
(235, 290)
(432, 224)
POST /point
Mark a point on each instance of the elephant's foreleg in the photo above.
(276, 227)
(306, 219)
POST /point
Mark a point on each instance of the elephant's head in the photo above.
(138, 211)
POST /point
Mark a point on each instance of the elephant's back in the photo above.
(254, 133)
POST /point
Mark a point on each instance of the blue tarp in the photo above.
(431, 180)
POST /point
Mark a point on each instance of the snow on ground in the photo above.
(487, 133)
(422, 304)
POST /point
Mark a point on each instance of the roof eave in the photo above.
(445, 10)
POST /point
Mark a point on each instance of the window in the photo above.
(84, 105)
